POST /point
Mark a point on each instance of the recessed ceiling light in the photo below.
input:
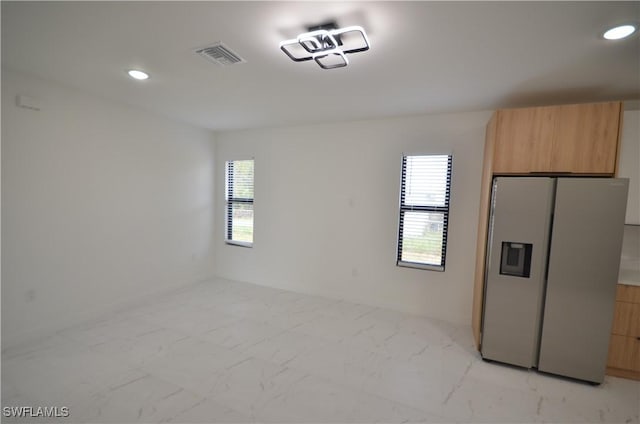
(139, 75)
(619, 32)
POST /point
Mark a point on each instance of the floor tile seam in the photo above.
(164, 345)
(353, 388)
(204, 399)
(379, 356)
(195, 393)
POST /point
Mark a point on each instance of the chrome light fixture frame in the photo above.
(325, 43)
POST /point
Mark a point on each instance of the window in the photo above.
(424, 211)
(239, 197)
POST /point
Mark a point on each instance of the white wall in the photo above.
(326, 210)
(101, 204)
(629, 166)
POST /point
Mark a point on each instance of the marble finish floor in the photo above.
(224, 351)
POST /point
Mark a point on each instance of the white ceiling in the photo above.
(425, 57)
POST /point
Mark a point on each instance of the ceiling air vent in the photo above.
(220, 54)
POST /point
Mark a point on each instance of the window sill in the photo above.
(416, 265)
(238, 243)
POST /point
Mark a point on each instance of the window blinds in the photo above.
(424, 211)
(239, 198)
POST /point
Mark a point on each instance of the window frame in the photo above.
(403, 208)
(230, 201)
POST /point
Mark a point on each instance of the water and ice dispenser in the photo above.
(516, 259)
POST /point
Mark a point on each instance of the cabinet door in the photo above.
(523, 141)
(624, 353)
(634, 322)
(585, 139)
(627, 293)
(626, 321)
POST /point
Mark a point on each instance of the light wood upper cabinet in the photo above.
(586, 138)
(580, 138)
(524, 139)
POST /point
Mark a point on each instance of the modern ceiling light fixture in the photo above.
(327, 45)
(137, 74)
(619, 32)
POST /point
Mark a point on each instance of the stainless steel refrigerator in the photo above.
(552, 269)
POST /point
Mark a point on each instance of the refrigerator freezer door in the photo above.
(583, 274)
(514, 284)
